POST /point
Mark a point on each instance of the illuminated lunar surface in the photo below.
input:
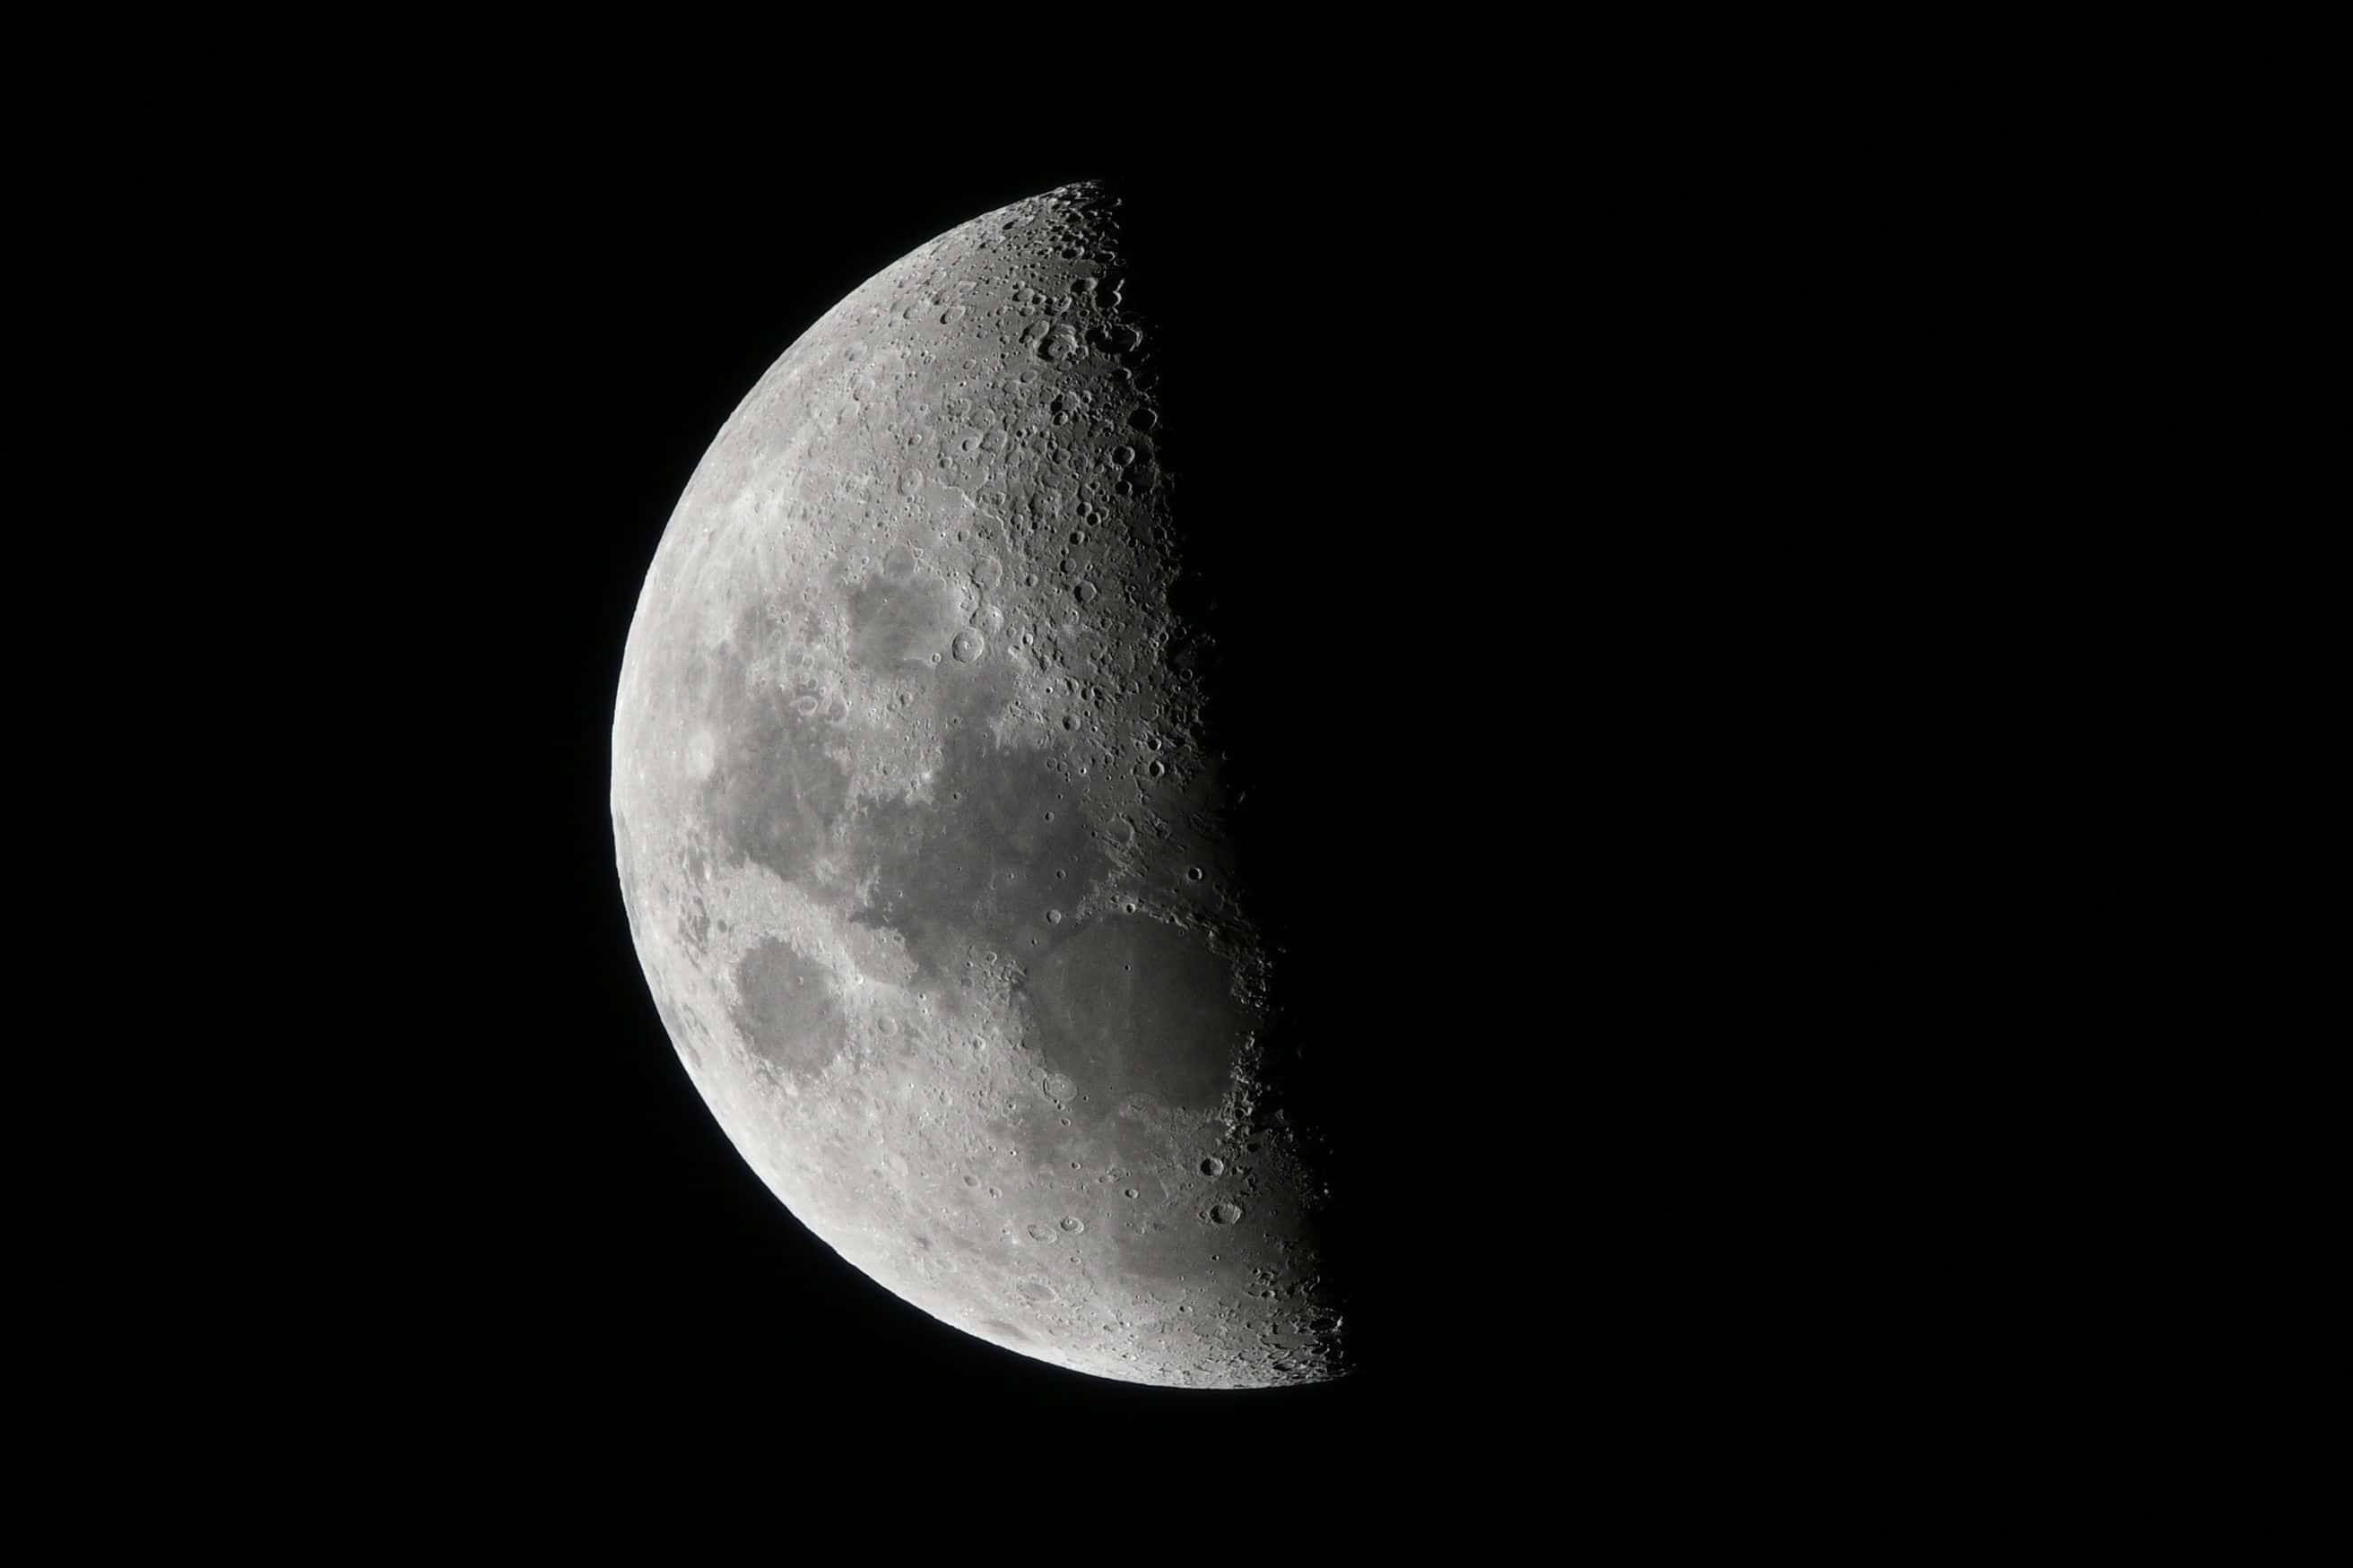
(920, 842)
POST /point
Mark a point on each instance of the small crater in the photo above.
(1225, 1214)
(1213, 1166)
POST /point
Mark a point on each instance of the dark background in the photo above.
(1449, 416)
(1530, 474)
(1633, 457)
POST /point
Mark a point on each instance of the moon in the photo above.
(925, 832)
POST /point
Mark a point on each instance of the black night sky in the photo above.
(1572, 463)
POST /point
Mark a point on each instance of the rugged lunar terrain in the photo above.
(922, 845)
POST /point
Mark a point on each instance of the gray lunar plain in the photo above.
(919, 842)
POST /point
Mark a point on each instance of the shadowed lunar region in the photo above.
(925, 829)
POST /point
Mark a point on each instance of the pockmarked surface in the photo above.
(921, 843)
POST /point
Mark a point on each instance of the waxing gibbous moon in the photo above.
(920, 836)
